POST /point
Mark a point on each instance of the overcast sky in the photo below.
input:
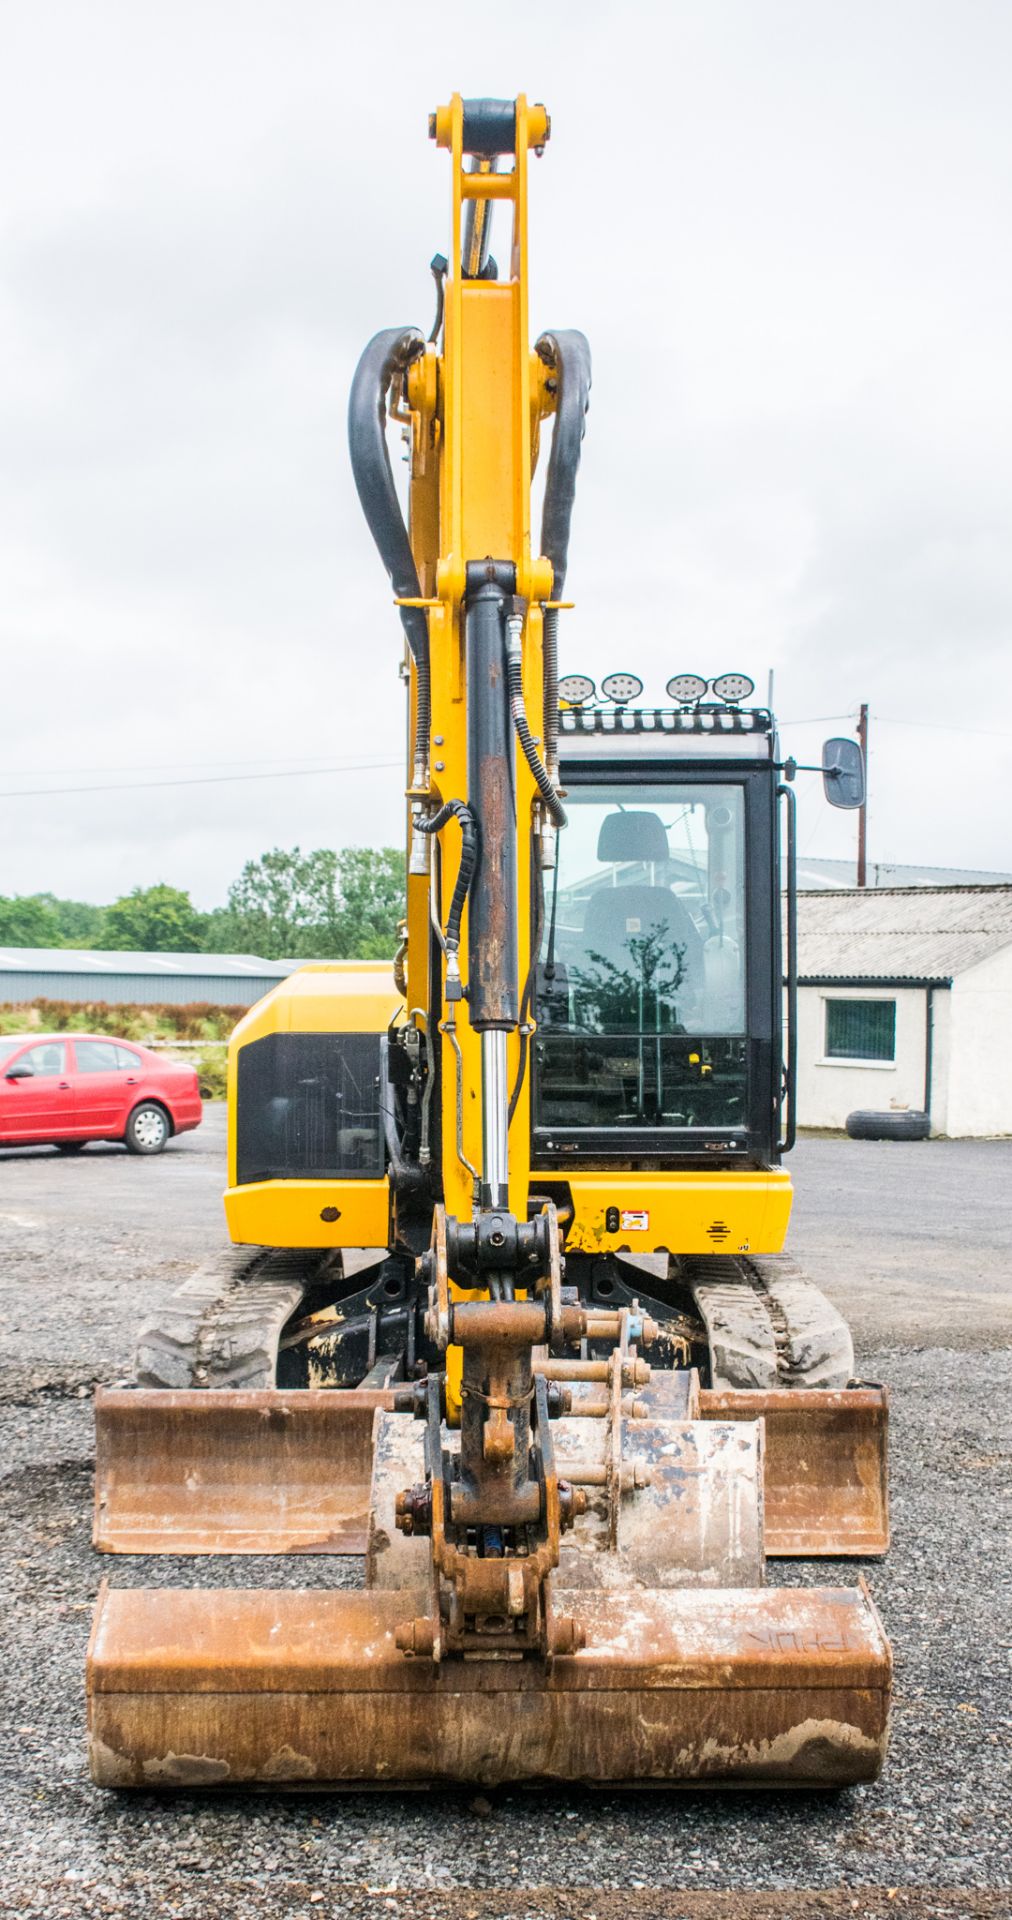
(785, 229)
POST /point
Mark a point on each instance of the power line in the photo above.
(888, 720)
(943, 726)
(183, 766)
(209, 780)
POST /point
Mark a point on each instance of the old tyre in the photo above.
(147, 1129)
(864, 1125)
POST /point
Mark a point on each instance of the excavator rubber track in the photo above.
(222, 1327)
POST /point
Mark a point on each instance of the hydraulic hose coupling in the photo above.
(454, 983)
(514, 633)
(420, 855)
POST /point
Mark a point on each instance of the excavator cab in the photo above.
(506, 1312)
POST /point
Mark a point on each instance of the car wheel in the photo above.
(70, 1146)
(864, 1125)
(147, 1129)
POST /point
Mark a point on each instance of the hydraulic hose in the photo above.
(384, 362)
(514, 680)
(456, 810)
(568, 355)
(550, 662)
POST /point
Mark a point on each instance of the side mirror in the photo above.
(843, 773)
(21, 1073)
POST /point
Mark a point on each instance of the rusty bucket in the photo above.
(290, 1688)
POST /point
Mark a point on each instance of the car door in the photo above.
(37, 1102)
(101, 1091)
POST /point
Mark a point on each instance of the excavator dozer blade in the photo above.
(826, 1467)
(245, 1471)
(261, 1471)
(287, 1688)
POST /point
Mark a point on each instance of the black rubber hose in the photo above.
(456, 810)
(542, 778)
(568, 355)
(550, 665)
(384, 361)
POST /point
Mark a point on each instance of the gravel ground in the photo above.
(912, 1240)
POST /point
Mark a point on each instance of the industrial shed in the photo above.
(136, 979)
(905, 1002)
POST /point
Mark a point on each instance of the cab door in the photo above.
(36, 1095)
(102, 1090)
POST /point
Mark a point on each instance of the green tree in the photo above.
(28, 920)
(80, 922)
(219, 934)
(269, 905)
(319, 905)
(157, 919)
(371, 886)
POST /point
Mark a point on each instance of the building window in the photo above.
(860, 1029)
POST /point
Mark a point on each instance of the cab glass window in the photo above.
(128, 1062)
(641, 988)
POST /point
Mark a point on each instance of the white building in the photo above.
(905, 1002)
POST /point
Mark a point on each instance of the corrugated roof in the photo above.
(898, 933)
(815, 872)
(208, 965)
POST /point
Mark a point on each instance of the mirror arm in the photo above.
(791, 766)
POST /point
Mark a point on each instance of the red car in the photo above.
(67, 1088)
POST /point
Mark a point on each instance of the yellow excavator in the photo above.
(505, 1312)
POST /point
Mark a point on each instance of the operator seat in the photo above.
(632, 909)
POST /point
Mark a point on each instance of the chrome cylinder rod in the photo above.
(494, 1119)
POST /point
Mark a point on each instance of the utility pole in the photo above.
(862, 817)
